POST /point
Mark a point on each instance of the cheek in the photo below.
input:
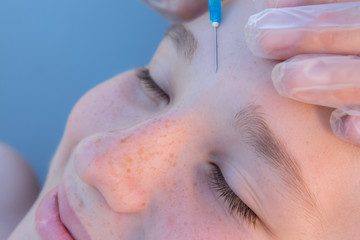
(115, 104)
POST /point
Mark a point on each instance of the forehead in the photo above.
(241, 79)
(189, 67)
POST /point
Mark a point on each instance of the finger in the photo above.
(178, 10)
(346, 124)
(280, 33)
(327, 80)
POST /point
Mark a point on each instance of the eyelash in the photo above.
(234, 203)
(144, 75)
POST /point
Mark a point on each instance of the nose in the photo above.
(123, 165)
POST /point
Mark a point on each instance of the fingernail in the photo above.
(345, 126)
(254, 36)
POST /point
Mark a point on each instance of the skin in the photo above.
(137, 167)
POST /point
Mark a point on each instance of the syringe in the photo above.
(215, 17)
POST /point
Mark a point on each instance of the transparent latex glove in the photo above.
(321, 44)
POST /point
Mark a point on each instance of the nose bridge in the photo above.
(122, 164)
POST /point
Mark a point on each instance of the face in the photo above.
(179, 151)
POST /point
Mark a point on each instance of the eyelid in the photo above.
(234, 203)
(145, 77)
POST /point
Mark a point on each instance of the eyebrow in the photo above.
(183, 39)
(267, 146)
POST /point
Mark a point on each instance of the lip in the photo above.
(47, 219)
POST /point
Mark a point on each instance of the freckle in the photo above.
(219, 219)
(143, 204)
(128, 170)
(185, 223)
(140, 151)
(171, 155)
(128, 160)
(173, 164)
(195, 184)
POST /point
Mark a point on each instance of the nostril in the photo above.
(127, 197)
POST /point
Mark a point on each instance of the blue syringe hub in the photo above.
(215, 12)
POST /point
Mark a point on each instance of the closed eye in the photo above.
(233, 202)
(149, 84)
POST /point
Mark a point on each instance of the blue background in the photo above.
(52, 52)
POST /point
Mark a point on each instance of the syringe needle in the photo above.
(215, 17)
(216, 50)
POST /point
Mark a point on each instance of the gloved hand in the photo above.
(323, 44)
